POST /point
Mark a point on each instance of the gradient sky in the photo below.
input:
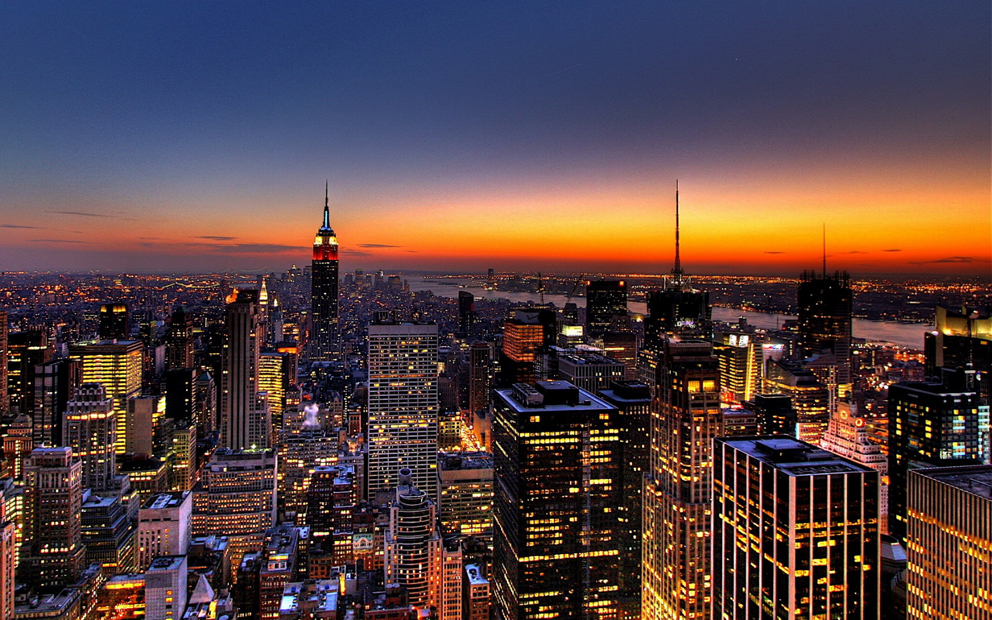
(155, 137)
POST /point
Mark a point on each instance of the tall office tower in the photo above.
(91, 429)
(299, 452)
(961, 337)
(931, 425)
(116, 366)
(182, 457)
(206, 404)
(236, 496)
(622, 346)
(556, 493)
(179, 340)
(52, 550)
(273, 379)
(586, 370)
(180, 394)
(403, 406)
(678, 490)
(740, 366)
(4, 328)
(324, 343)
(632, 400)
(467, 494)
(678, 308)
(466, 311)
(795, 532)
(165, 588)
(143, 426)
(847, 436)
(948, 538)
(825, 309)
(605, 299)
(113, 322)
(331, 497)
(480, 376)
(527, 334)
(108, 534)
(164, 526)
(810, 398)
(8, 561)
(244, 418)
(413, 544)
(54, 384)
(25, 351)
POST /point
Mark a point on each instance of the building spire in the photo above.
(677, 270)
(824, 250)
(327, 215)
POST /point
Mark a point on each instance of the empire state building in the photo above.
(324, 341)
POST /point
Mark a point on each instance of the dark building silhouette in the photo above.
(825, 308)
(678, 309)
(466, 311)
(179, 340)
(25, 351)
(113, 322)
(961, 337)
(775, 414)
(324, 344)
(55, 383)
(932, 424)
(605, 299)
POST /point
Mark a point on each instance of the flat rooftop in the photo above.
(794, 457)
(976, 479)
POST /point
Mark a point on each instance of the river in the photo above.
(902, 334)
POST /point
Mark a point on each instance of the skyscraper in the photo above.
(324, 344)
(4, 401)
(91, 429)
(113, 322)
(413, 544)
(179, 340)
(244, 418)
(52, 552)
(524, 337)
(403, 405)
(948, 538)
(825, 308)
(930, 424)
(795, 532)
(25, 351)
(686, 418)
(466, 311)
(555, 505)
(678, 308)
(54, 384)
(605, 299)
(116, 365)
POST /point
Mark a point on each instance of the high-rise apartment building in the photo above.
(91, 431)
(116, 365)
(52, 551)
(811, 398)
(740, 366)
(412, 543)
(795, 532)
(114, 322)
(403, 405)
(825, 320)
(244, 417)
(605, 299)
(466, 481)
(556, 498)
(324, 342)
(685, 419)
(165, 588)
(948, 537)
(931, 424)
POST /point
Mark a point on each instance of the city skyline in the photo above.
(159, 139)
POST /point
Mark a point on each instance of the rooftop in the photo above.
(976, 479)
(794, 457)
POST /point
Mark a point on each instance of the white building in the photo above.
(164, 526)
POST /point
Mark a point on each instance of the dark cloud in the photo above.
(216, 237)
(854, 252)
(54, 241)
(377, 245)
(894, 250)
(149, 238)
(356, 253)
(961, 260)
(80, 213)
(258, 248)
(19, 226)
(770, 252)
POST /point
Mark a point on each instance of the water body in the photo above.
(902, 334)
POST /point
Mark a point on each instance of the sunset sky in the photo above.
(157, 137)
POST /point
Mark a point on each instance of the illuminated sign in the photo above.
(571, 330)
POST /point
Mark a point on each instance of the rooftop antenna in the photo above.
(677, 279)
(824, 250)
